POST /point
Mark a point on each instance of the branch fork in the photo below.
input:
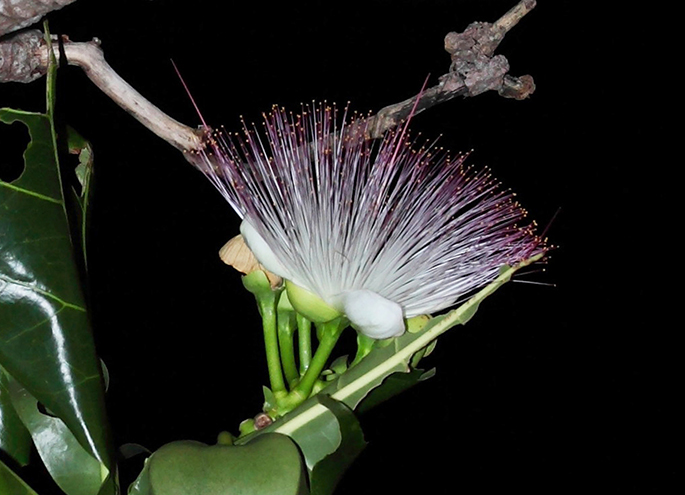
(474, 69)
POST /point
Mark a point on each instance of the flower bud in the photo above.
(309, 304)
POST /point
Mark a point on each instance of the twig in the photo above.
(90, 58)
(511, 18)
(474, 70)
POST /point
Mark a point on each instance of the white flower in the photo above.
(380, 230)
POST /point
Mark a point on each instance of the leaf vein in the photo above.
(42, 292)
(30, 193)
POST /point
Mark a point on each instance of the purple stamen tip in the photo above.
(343, 212)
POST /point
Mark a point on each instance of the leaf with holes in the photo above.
(45, 339)
(72, 467)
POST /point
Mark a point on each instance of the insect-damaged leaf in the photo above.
(45, 339)
(72, 467)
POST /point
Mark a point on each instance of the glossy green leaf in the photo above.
(328, 434)
(393, 385)
(270, 464)
(11, 484)
(314, 426)
(45, 339)
(74, 469)
(15, 439)
(326, 474)
(110, 486)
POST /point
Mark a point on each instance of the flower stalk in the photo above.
(329, 333)
(279, 323)
(286, 331)
(258, 284)
(304, 336)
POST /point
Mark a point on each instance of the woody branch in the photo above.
(474, 69)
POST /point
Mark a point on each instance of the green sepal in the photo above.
(416, 324)
(257, 283)
(269, 399)
(309, 304)
(284, 304)
(339, 365)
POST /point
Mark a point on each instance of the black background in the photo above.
(547, 390)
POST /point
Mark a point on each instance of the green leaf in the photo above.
(328, 434)
(368, 374)
(327, 473)
(270, 464)
(315, 428)
(11, 484)
(110, 486)
(393, 385)
(73, 468)
(15, 439)
(45, 338)
(315, 424)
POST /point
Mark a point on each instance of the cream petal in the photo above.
(261, 250)
(372, 314)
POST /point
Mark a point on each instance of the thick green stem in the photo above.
(329, 334)
(304, 335)
(257, 283)
(267, 308)
(286, 328)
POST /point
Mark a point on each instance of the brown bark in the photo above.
(475, 69)
(18, 14)
(18, 60)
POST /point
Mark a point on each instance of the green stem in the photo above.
(329, 335)
(286, 328)
(304, 335)
(267, 308)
